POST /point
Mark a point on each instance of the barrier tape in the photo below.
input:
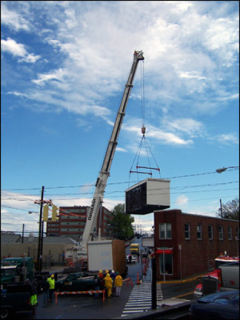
(79, 292)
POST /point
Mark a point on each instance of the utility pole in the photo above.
(23, 233)
(221, 208)
(39, 257)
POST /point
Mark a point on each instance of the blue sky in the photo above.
(64, 66)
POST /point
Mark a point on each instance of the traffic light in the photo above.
(45, 213)
(54, 212)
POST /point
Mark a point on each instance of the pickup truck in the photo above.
(13, 302)
(229, 276)
(224, 277)
(79, 281)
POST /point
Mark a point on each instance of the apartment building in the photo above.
(72, 221)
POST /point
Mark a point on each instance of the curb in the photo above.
(181, 281)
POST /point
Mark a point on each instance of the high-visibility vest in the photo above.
(51, 282)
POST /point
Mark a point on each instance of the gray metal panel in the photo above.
(147, 196)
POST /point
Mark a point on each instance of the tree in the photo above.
(230, 210)
(121, 224)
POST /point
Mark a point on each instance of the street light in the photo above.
(220, 170)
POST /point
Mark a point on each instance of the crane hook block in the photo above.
(143, 130)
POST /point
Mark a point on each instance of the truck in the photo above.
(101, 182)
(15, 289)
(228, 276)
(13, 302)
(134, 248)
(107, 255)
(225, 276)
(15, 270)
(148, 242)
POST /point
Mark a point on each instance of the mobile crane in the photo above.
(105, 170)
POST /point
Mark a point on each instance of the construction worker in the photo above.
(118, 284)
(101, 276)
(108, 284)
(51, 282)
(33, 291)
(106, 272)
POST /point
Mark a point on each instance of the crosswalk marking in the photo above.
(140, 299)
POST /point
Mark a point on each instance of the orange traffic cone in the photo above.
(138, 282)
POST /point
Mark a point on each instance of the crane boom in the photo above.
(105, 170)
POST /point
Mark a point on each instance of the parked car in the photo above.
(220, 305)
(134, 259)
(78, 281)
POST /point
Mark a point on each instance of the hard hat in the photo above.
(108, 275)
(107, 271)
(113, 271)
(117, 272)
(52, 275)
(100, 271)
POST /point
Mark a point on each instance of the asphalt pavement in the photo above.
(86, 306)
(90, 307)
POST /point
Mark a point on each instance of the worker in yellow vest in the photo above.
(51, 281)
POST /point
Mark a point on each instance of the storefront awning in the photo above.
(165, 251)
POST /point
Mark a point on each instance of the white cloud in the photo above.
(226, 139)
(11, 46)
(18, 49)
(13, 19)
(187, 125)
(53, 75)
(181, 200)
(121, 149)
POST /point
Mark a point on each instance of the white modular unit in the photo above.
(148, 242)
(100, 255)
(147, 196)
(107, 255)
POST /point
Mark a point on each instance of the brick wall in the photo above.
(196, 255)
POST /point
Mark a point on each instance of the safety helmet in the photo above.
(107, 271)
(52, 275)
(108, 275)
(117, 273)
(113, 271)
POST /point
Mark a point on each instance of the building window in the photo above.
(187, 231)
(237, 233)
(210, 232)
(229, 233)
(166, 263)
(220, 232)
(199, 232)
(165, 231)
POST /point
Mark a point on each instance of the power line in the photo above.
(118, 191)
(121, 182)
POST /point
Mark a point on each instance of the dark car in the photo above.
(78, 281)
(220, 305)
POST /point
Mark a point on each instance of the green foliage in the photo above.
(230, 210)
(121, 224)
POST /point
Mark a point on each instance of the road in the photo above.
(133, 299)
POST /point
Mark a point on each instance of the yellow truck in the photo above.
(134, 248)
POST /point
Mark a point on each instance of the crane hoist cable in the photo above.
(143, 142)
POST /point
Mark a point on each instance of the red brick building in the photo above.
(187, 244)
(72, 221)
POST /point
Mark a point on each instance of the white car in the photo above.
(134, 259)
